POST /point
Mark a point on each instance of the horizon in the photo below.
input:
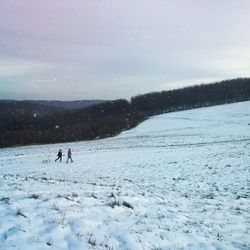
(117, 50)
(128, 99)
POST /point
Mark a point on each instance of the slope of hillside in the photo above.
(177, 181)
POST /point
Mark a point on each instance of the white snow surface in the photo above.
(177, 181)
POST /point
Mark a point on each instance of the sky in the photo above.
(110, 49)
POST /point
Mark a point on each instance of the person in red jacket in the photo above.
(69, 156)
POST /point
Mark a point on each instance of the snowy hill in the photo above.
(177, 181)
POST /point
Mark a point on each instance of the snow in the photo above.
(177, 181)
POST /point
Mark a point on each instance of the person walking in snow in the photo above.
(69, 156)
(59, 155)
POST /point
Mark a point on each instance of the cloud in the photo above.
(16, 68)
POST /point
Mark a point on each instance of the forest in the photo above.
(26, 123)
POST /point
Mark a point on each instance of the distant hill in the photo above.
(12, 107)
(68, 104)
(44, 105)
(13, 110)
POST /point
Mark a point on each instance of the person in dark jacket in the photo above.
(69, 156)
(59, 155)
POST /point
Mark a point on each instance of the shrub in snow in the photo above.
(34, 196)
(19, 213)
(49, 242)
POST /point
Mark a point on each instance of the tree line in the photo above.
(227, 91)
(110, 118)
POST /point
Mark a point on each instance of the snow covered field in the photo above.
(177, 181)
